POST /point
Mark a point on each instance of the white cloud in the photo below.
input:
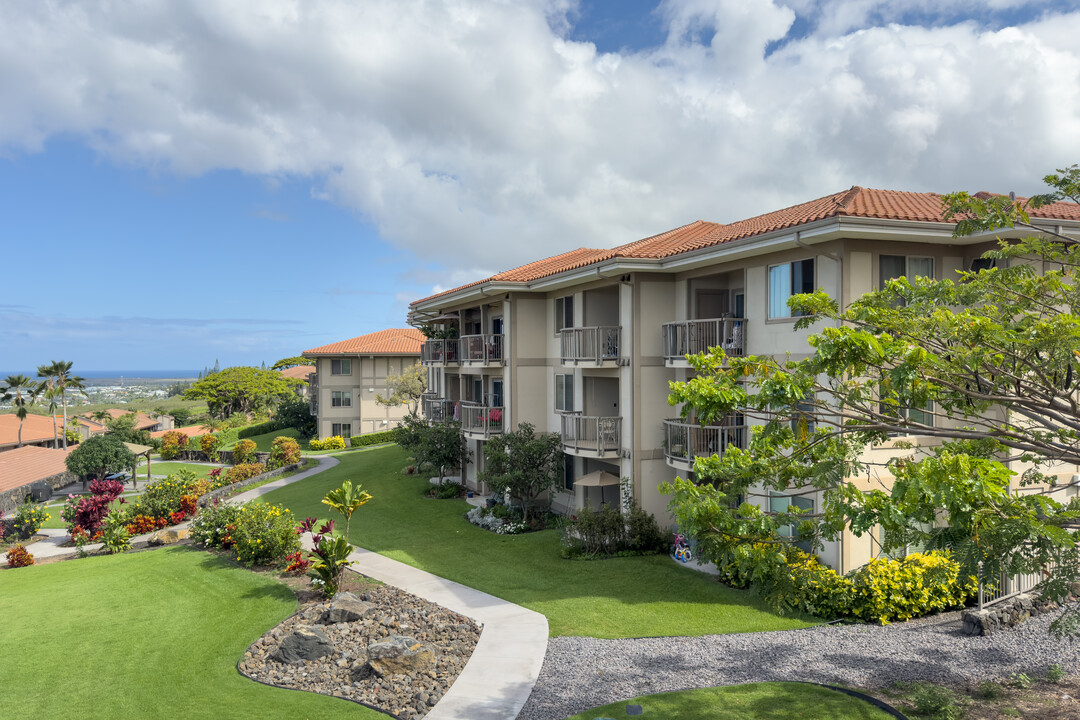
(475, 136)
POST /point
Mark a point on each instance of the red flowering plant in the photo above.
(176, 518)
(88, 512)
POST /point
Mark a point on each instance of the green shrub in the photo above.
(607, 532)
(449, 490)
(334, 442)
(260, 429)
(377, 438)
(246, 471)
(919, 584)
(29, 519)
(283, 451)
(265, 534)
(214, 525)
(114, 533)
(161, 498)
(991, 690)
(1055, 673)
(243, 452)
(934, 701)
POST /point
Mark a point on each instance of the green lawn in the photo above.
(622, 597)
(262, 442)
(760, 701)
(170, 468)
(113, 637)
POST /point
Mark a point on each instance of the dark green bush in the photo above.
(449, 491)
(607, 533)
(377, 438)
(260, 429)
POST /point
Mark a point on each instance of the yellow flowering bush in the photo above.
(243, 452)
(265, 534)
(334, 442)
(916, 585)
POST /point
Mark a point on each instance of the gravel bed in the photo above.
(580, 673)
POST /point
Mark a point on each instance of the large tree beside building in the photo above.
(523, 464)
(241, 390)
(100, 456)
(983, 367)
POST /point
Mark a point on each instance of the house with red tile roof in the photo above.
(152, 422)
(23, 468)
(37, 430)
(348, 375)
(584, 343)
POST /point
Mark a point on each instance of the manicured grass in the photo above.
(145, 635)
(761, 701)
(262, 442)
(171, 468)
(622, 597)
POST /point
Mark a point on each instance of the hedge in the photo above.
(261, 429)
(372, 439)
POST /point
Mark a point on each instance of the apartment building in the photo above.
(349, 375)
(586, 343)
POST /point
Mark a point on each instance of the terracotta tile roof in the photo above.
(396, 341)
(189, 430)
(854, 202)
(36, 429)
(26, 465)
(298, 371)
(142, 421)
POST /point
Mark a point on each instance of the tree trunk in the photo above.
(63, 401)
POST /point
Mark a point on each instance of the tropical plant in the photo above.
(347, 499)
(284, 450)
(59, 372)
(18, 556)
(523, 464)
(29, 518)
(20, 391)
(100, 456)
(241, 390)
(243, 452)
(330, 556)
(114, 533)
(436, 444)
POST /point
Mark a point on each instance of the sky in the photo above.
(195, 181)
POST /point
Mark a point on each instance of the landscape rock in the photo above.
(399, 655)
(346, 607)
(305, 642)
(168, 536)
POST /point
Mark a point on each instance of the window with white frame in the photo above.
(564, 393)
(341, 429)
(340, 398)
(779, 503)
(891, 267)
(564, 313)
(789, 279)
(342, 366)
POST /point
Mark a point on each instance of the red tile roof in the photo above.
(396, 341)
(29, 464)
(36, 428)
(298, 371)
(854, 202)
(142, 421)
(190, 431)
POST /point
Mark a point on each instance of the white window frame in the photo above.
(564, 305)
(781, 311)
(565, 395)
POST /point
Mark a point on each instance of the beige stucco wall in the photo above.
(367, 379)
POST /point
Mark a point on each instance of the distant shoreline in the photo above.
(128, 376)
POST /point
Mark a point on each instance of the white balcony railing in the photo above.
(684, 441)
(690, 337)
(481, 420)
(440, 352)
(481, 349)
(589, 434)
(590, 344)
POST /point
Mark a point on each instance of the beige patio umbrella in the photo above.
(597, 478)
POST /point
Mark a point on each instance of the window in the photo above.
(496, 393)
(564, 313)
(568, 472)
(779, 502)
(894, 266)
(341, 429)
(980, 263)
(921, 414)
(787, 280)
(341, 398)
(802, 417)
(341, 367)
(564, 393)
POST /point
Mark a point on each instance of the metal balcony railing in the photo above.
(690, 337)
(684, 441)
(591, 344)
(440, 352)
(590, 433)
(438, 409)
(481, 349)
(481, 420)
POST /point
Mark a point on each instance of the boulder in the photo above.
(168, 536)
(345, 607)
(399, 655)
(303, 643)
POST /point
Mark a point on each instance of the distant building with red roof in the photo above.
(349, 374)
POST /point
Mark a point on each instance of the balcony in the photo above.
(594, 345)
(481, 349)
(437, 409)
(440, 352)
(684, 441)
(313, 389)
(480, 421)
(691, 337)
(591, 436)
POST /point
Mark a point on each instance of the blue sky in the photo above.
(192, 181)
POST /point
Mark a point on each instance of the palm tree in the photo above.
(20, 391)
(60, 373)
(47, 389)
(100, 415)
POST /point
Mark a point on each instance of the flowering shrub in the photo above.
(142, 524)
(189, 503)
(172, 443)
(19, 557)
(512, 528)
(209, 444)
(918, 584)
(214, 525)
(297, 564)
(244, 452)
(238, 473)
(265, 534)
(177, 517)
(334, 442)
(283, 451)
(29, 519)
(89, 512)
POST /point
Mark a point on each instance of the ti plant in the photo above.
(330, 556)
(346, 500)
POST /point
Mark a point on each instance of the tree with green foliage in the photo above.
(405, 389)
(100, 456)
(58, 372)
(241, 390)
(986, 363)
(20, 391)
(123, 427)
(285, 363)
(436, 444)
(523, 464)
(295, 412)
(180, 416)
